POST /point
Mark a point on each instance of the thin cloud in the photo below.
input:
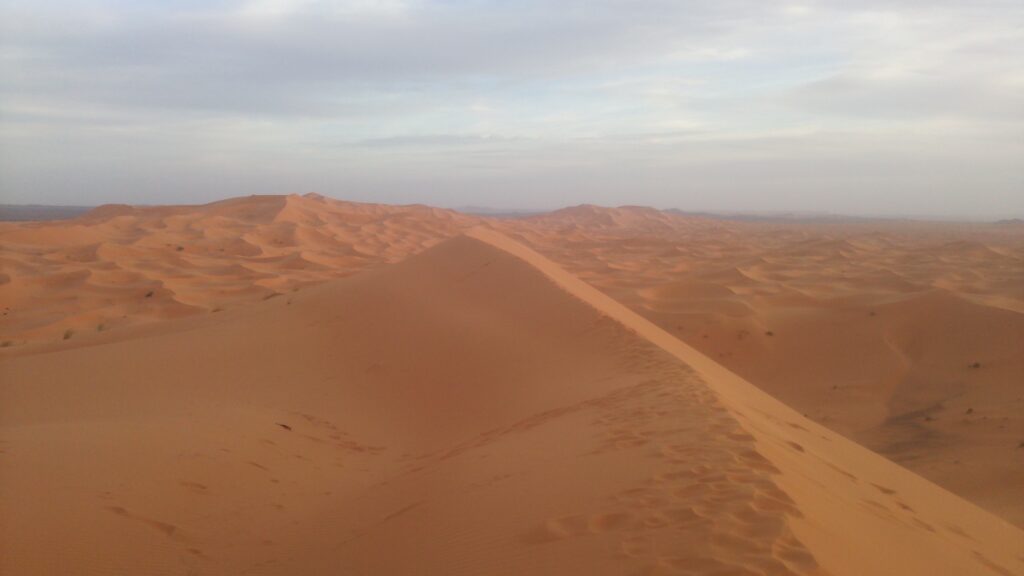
(436, 101)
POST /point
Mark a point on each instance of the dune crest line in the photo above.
(840, 487)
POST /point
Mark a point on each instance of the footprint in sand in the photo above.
(194, 486)
(883, 489)
(168, 529)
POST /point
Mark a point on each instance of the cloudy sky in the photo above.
(903, 107)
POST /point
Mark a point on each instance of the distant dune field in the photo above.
(299, 385)
(904, 336)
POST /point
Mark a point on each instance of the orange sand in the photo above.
(872, 329)
(476, 408)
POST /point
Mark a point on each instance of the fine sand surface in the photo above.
(474, 409)
(119, 266)
(907, 337)
(408, 390)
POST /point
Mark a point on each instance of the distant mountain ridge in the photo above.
(32, 212)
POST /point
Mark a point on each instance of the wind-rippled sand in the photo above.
(296, 385)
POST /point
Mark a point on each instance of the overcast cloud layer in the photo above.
(870, 107)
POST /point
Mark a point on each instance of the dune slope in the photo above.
(119, 266)
(473, 409)
(903, 336)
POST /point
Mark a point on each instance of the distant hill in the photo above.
(27, 212)
(791, 217)
(497, 212)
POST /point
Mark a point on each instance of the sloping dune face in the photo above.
(119, 265)
(454, 414)
(471, 410)
(904, 336)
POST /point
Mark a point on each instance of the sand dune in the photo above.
(830, 500)
(904, 336)
(474, 409)
(120, 265)
(290, 384)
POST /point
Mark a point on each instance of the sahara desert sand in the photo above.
(299, 385)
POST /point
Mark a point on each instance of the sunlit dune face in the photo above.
(662, 288)
(120, 266)
(471, 408)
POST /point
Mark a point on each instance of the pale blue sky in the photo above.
(878, 108)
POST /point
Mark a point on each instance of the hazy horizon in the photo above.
(895, 109)
(502, 211)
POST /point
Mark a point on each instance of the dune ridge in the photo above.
(417, 419)
(120, 265)
(413, 419)
(903, 336)
(787, 438)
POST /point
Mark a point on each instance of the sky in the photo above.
(891, 108)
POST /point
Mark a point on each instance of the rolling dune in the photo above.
(904, 336)
(289, 384)
(473, 409)
(119, 266)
